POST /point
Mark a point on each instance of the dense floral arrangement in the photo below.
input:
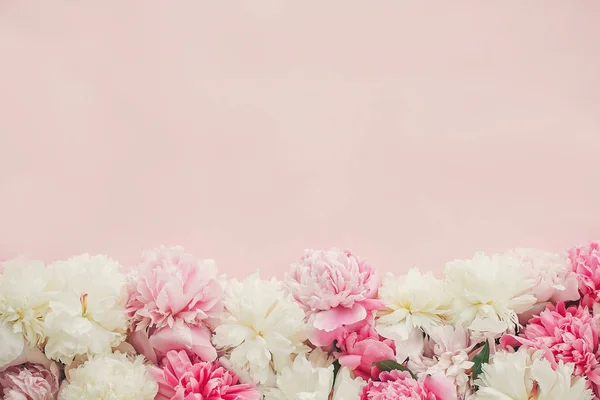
(521, 325)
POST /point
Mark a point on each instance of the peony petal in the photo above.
(141, 343)
(13, 346)
(332, 319)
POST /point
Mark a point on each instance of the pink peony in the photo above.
(173, 299)
(336, 289)
(585, 262)
(396, 385)
(29, 382)
(359, 350)
(553, 278)
(564, 334)
(182, 378)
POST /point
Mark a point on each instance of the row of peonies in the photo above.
(519, 325)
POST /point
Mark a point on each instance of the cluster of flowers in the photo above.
(520, 325)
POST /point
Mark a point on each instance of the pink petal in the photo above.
(332, 319)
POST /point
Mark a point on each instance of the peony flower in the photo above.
(111, 376)
(394, 385)
(347, 386)
(564, 334)
(180, 377)
(174, 299)
(336, 289)
(301, 381)
(359, 350)
(25, 298)
(523, 376)
(585, 263)
(552, 276)
(29, 382)
(412, 301)
(447, 353)
(261, 329)
(488, 293)
(88, 317)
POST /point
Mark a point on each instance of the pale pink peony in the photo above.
(336, 289)
(174, 299)
(564, 334)
(182, 378)
(585, 262)
(554, 281)
(394, 385)
(29, 382)
(359, 350)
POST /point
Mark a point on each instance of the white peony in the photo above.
(302, 381)
(111, 376)
(262, 328)
(24, 299)
(522, 376)
(450, 346)
(488, 292)
(414, 300)
(346, 386)
(88, 317)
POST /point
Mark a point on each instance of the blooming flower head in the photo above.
(335, 289)
(111, 376)
(174, 299)
(24, 299)
(182, 377)
(29, 382)
(568, 335)
(447, 351)
(488, 292)
(359, 350)
(552, 276)
(302, 380)
(262, 327)
(585, 263)
(88, 317)
(169, 285)
(394, 385)
(412, 301)
(526, 376)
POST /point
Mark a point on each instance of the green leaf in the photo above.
(391, 365)
(483, 357)
(336, 368)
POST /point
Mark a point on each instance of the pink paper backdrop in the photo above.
(411, 132)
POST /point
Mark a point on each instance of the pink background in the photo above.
(412, 133)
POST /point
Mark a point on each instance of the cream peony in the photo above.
(111, 376)
(488, 293)
(24, 299)
(523, 376)
(89, 316)
(261, 328)
(302, 381)
(414, 300)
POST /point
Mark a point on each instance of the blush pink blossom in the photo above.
(182, 378)
(173, 300)
(554, 281)
(564, 334)
(29, 382)
(336, 289)
(359, 350)
(585, 262)
(394, 385)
